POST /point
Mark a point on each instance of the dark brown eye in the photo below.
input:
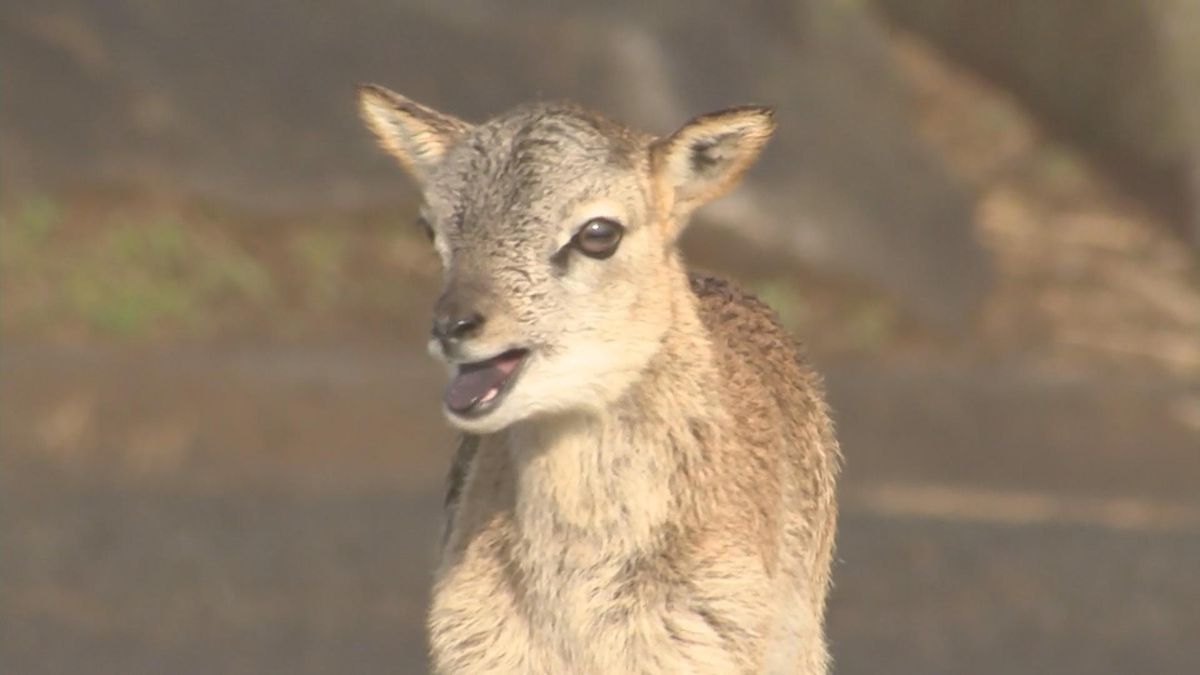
(598, 238)
(426, 228)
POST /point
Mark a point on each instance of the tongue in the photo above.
(476, 380)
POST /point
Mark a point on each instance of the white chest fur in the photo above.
(589, 484)
(560, 559)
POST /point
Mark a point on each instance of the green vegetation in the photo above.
(148, 272)
(128, 275)
(136, 269)
(786, 300)
(838, 320)
(872, 325)
(320, 256)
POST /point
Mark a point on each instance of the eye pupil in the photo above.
(599, 237)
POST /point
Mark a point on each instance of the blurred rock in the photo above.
(1120, 78)
(251, 103)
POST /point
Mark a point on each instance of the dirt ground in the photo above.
(222, 450)
(263, 510)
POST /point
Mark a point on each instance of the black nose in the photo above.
(451, 327)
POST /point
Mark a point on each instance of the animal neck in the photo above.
(603, 479)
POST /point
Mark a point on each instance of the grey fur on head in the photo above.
(503, 198)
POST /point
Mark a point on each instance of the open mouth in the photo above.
(478, 388)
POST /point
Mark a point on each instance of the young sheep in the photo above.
(646, 478)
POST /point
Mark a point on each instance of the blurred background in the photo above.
(222, 450)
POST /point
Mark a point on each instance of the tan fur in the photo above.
(656, 494)
(739, 134)
(425, 134)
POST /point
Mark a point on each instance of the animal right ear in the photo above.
(705, 158)
(412, 133)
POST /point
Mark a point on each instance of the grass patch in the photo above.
(147, 272)
(130, 275)
(835, 321)
(787, 301)
(873, 325)
(320, 257)
(25, 231)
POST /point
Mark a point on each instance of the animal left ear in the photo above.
(705, 158)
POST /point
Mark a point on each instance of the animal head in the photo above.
(557, 231)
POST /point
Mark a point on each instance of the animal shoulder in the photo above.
(747, 334)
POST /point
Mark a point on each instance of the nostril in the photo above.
(465, 325)
(457, 327)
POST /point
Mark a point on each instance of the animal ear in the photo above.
(705, 158)
(414, 134)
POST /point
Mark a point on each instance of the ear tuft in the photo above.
(414, 134)
(705, 158)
